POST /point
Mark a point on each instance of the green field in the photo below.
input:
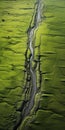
(48, 112)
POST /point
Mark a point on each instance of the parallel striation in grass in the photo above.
(15, 17)
(50, 41)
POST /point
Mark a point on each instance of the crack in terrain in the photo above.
(30, 85)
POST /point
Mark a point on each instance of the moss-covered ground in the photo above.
(15, 17)
(49, 48)
(50, 36)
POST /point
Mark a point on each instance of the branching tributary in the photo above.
(31, 75)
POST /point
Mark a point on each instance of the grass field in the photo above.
(51, 38)
(49, 48)
(15, 17)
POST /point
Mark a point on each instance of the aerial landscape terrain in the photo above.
(32, 65)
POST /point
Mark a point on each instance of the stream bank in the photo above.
(31, 83)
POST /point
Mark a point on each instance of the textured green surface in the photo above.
(15, 18)
(51, 37)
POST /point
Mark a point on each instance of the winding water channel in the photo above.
(29, 105)
(37, 20)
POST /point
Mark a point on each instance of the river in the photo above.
(29, 105)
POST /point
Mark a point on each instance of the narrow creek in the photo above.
(27, 106)
(37, 20)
